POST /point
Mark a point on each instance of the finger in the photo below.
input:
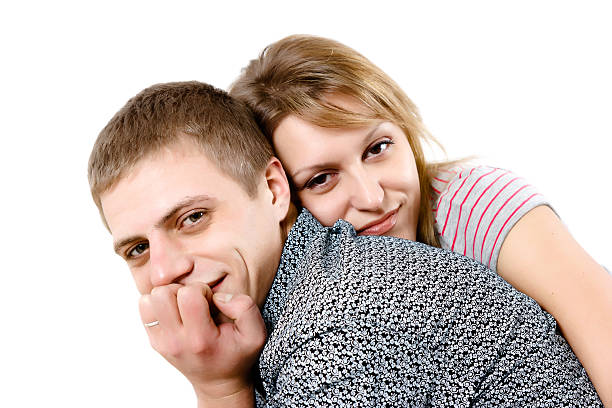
(245, 313)
(163, 300)
(147, 313)
(193, 304)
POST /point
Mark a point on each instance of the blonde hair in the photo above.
(296, 75)
(161, 116)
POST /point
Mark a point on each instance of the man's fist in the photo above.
(215, 357)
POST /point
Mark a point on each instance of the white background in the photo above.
(524, 84)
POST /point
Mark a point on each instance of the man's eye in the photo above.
(138, 250)
(377, 148)
(193, 218)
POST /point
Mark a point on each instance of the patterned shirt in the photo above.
(367, 321)
(476, 207)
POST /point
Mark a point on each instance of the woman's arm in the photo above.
(540, 258)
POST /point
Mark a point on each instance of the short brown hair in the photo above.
(296, 74)
(160, 115)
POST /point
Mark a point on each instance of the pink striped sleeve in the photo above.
(476, 209)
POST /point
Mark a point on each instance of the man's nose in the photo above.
(366, 192)
(169, 260)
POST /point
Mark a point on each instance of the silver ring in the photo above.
(151, 324)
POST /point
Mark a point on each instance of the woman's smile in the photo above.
(381, 225)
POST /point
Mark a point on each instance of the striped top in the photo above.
(475, 208)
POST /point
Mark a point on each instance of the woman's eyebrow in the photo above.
(311, 168)
(329, 163)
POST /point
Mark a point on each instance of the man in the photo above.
(200, 210)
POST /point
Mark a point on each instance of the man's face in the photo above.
(176, 218)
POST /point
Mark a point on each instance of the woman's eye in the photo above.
(138, 250)
(318, 181)
(192, 218)
(377, 148)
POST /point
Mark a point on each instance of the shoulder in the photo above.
(475, 207)
(377, 279)
(460, 187)
(462, 178)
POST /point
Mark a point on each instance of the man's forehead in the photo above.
(159, 183)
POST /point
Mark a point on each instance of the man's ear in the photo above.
(278, 185)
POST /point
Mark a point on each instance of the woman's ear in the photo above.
(278, 185)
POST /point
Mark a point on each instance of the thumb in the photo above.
(245, 314)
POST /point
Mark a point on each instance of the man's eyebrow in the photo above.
(120, 244)
(328, 164)
(185, 202)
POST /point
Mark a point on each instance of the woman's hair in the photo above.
(297, 74)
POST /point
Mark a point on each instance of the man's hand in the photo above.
(216, 359)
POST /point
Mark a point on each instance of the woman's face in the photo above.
(366, 176)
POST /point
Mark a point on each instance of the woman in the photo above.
(350, 141)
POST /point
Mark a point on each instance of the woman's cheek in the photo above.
(323, 208)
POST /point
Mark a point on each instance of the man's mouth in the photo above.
(214, 285)
(381, 225)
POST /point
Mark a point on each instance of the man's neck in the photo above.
(288, 222)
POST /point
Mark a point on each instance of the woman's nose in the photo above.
(367, 194)
(169, 261)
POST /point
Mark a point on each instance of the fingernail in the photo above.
(223, 297)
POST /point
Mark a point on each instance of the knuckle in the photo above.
(248, 307)
(182, 293)
(144, 303)
(187, 296)
(198, 345)
(168, 345)
(163, 293)
(171, 349)
(197, 285)
(259, 339)
(157, 291)
(186, 291)
(203, 344)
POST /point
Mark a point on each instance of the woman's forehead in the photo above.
(346, 102)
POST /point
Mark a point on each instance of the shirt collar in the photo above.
(291, 269)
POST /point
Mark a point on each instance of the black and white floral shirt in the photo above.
(382, 322)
